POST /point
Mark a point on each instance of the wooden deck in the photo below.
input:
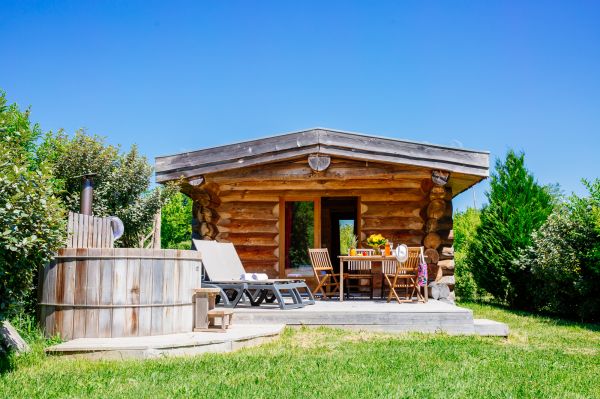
(376, 315)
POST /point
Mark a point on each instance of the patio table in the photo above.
(344, 259)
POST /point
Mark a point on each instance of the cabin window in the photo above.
(299, 233)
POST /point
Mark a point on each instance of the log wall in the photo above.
(242, 206)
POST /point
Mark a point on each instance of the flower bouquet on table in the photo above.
(376, 241)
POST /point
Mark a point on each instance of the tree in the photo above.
(517, 206)
(465, 229)
(565, 259)
(121, 187)
(176, 223)
(32, 223)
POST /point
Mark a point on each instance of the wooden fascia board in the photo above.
(320, 141)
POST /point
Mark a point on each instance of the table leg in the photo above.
(341, 280)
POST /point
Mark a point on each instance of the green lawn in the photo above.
(542, 358)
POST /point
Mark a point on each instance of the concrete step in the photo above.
(186, 344)
(485, 327)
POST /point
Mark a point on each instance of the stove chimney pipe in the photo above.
(87, 193)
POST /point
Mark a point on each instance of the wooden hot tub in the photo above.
(118, 292)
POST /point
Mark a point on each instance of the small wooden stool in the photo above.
(224, 314)
(204, 302)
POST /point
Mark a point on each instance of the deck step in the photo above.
(430, 317)
(486, 327)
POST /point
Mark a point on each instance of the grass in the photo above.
(542, 358)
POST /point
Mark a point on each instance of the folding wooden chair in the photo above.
(359, 270)
(403, 276)
(328, 283)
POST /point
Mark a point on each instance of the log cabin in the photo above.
(274, 197)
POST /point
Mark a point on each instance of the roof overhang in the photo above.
(323, 142)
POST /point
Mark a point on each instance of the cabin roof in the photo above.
(323, 142)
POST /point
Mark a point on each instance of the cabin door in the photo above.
(338, 225)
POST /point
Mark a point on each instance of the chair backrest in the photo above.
(320, 261)
(410, 266)
(220, 260)
(361, 264)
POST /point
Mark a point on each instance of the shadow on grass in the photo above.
(541, 317)
(6, 365)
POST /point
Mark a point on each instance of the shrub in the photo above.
(32, 224)
(465, 227)
(517, 206)
(176, 223)
(564, 260)
(121, 187)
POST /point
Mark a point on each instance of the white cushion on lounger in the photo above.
(254, 276)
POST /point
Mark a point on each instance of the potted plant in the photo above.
(376, 241)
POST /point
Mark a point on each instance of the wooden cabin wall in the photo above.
(242, 206)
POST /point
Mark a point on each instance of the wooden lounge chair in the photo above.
(327, 281)
(224, 268)
(403, 276)
(359, 270)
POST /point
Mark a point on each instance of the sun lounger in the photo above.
(224, 269)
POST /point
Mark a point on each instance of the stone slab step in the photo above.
(186, 344)
(486, 327)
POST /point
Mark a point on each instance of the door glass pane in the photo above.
(300, 230)
(346, 235)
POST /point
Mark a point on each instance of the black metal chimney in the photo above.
(87, 193)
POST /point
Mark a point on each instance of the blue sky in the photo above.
(176, 76)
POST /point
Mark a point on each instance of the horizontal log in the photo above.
(263, 254)
(338, 170)
(255, 251)
(410, 238)
(393, 209)
(366, 195)
(248, 225)
(258, 239)
(392, 223)
(321, 184)
(268, 267)
(426, 185)
(249, 210)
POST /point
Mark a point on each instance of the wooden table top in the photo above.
(370, 257)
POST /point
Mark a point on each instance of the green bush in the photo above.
(32, 223)
(176, 223)
(465, 227)
(516, 207)
(564, 259)
(121, 187)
